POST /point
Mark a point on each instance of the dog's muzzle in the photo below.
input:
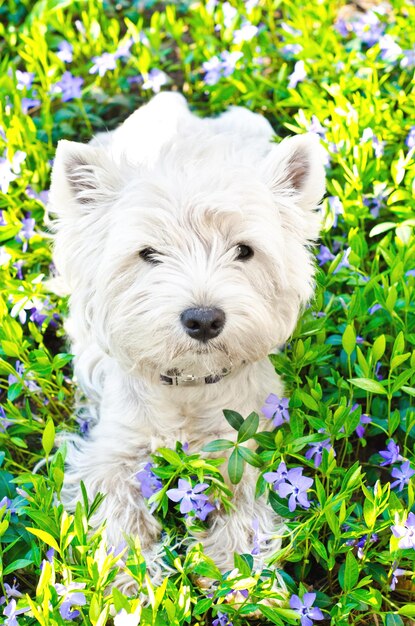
(189, 380)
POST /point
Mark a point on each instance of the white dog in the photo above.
(184, 245)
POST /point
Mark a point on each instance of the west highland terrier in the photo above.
(184, 245)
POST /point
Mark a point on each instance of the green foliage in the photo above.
(349, 368)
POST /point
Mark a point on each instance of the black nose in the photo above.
(203, 324)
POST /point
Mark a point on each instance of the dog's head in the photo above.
(195, 264)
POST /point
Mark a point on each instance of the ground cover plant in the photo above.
(339, 462)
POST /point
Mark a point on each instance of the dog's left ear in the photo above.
(82, 178)
(295, 172)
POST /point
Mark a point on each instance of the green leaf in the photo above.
(170, 456)
(10, 348)
(250, 457)
(44, 536)
(248, 428)
(368, 385)
(202, 606)
(19, 564)
(408, 610)
(349, 340)
(48, 437)
(218, 444)
(233, 418)
(351, 572)
(393, 620)
(235, 467)
(208, 568)
(378, 348)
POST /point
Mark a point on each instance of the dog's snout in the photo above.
(203, 323)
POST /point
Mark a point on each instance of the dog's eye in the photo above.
(149, 256)
(243, 252)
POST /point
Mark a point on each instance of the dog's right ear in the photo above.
(82, 178)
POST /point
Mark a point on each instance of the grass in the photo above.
(352, 353)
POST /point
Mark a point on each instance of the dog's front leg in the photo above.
(251, 528)
(107, 468)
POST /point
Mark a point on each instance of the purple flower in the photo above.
(11, 611)
(298, 75)
(229, 13)
(103, 63)
(29, 103)
(315, 126)
(360, 430)
(245, 33)
(221, 620)
(276, 408)
(65, 51)
(9, 170)
(155, 80)
(295, 488)
(389, 49)
(324, 255)
(20, 370)
(377, 145)
(2, 221)
(317, 450)
(291, 50)
(4, 421)
(395, 573)
(278, 477)
(188, 496)
(202, 509)
(402, 474)
(24, 80)
(410, 138)
(410, 273)
(405, 532)
(123, 50)
(336, 208)
(229, 61)
(213, 69)
(28, 230)
(50, 554)
(305, 608)
(408, 60)
(391, 454)
(70, 598)
(150, 483)
(344, 261)
(374, 308)
(368, 27)
(69, 86)
(257, 538)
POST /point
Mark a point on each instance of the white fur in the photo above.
(192, 189)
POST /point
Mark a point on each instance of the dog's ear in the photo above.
(82, 177)
(295, 172)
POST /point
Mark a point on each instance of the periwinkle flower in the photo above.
(336, 208)
(315, 126)
(4, 256)
(316, 450)
(11, 611)
(69, 86)
(9, 170)
(405, 531)
(229, 13)
(103, 63)
(395, 573)
(71, 598)
(275, 478)
(202, 508)
(245, 33)
(216, 67)
(24, 80)
(229, 61)
(304, 607)
(374, 308)
(295, 489)
(2, 220)
(389, 50)
(65, 51)
(403, 474)
(377, 145)
(408, 60)
(155, 80)
(221, 620)
(360, 429)
(189, 497)
(298, 75)
(410, 138)
(276, 408)
(391, 454)
(150, 483)
(324, 255)
(4, 423)
(29, 103)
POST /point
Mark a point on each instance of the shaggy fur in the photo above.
(193, 190)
